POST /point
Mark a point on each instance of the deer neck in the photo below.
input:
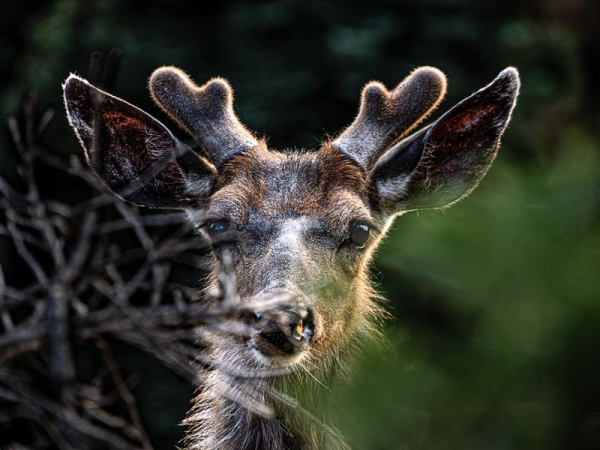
(233, 413)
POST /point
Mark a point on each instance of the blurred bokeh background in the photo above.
(495, 341)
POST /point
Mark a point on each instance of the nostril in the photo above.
(298, 330)
(304, 326)
(287, 330)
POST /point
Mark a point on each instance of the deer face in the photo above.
(297, 229)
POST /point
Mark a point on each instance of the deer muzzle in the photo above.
(281, 332)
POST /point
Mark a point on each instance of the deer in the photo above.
(297, 229)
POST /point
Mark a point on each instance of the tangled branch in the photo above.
(96, 271)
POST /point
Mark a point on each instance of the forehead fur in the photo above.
(293, 182)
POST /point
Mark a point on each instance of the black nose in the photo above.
(288, 331)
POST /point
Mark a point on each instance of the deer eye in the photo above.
(359, 233)
(217, 227)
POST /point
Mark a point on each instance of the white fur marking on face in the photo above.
(279, 362)
(292, 255)
(290, 234)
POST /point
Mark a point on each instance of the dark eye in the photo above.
(359, 233)
(217, 227)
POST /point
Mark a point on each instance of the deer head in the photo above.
(296, 225)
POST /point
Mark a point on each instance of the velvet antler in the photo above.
(386, 116)
(205, 112)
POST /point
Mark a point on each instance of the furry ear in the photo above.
(134, 154)
(445, 161)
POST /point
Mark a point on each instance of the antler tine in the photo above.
(205, 112)
(386, 116)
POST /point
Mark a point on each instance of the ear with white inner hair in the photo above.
(134, 154)
(444, 162)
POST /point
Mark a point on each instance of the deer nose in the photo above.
(285, 331)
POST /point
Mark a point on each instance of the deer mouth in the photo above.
(282, 333)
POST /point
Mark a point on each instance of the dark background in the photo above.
(496, 301)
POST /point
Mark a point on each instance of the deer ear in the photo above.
(444, 162)
(134, 154)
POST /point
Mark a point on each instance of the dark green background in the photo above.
(496, 336)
